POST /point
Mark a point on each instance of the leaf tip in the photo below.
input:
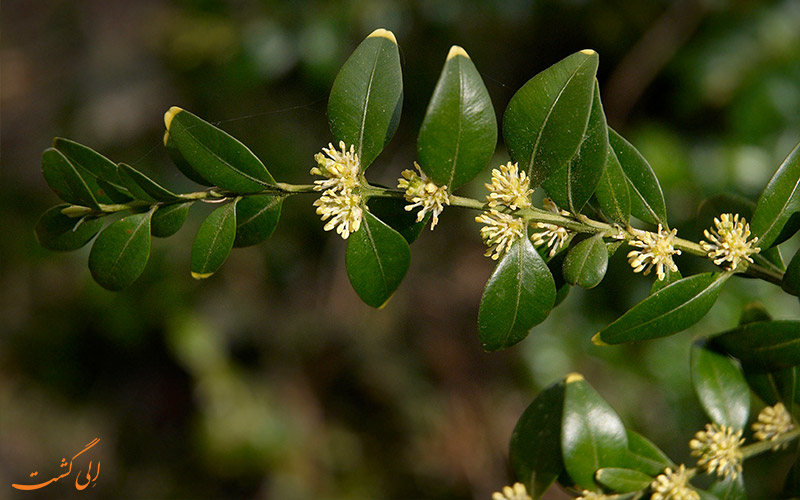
(456, 51)
(588, 52)
(573, 377)
(201, 276)
(380, 32)
(168, 116)
(596, 340)
(166, 132)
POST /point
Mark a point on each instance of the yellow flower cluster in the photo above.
(340, 202)
(673, 485)
(656, 250)
(718, 451)
(516, 492)
(423, 192)
(773, 422)
(728, 241)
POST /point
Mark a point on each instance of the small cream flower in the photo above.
(423, 192)
(341, 169)
(593, 495)
(656, 251)
(717, 449)
(344, 210)
(500, 232)
(509, 187)
(553, 236)
(773, 422)
(673, 486)
(516, 492)
(728, 241)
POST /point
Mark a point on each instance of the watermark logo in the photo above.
(82, 481)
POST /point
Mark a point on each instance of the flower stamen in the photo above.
(718, 450)
(500, 232)
(656, 251)
(420, 191)
(728, 241)
(509, 187)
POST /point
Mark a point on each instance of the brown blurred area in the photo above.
(271, 379)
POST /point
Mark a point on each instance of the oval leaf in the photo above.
(377, 259)
(519, 295)
(670, 277)
(367, 96)
(535, 450)
(647, 199)
(95, 167)
(546, 119)
(184, 166)
(120, 252)
(459, 133)
(392, 212)
(586, 263)
(729, 488)
(256, 219)
(720, 387)
(645, 456)
(66, 180)
(670, 310)
(215, 154)
(766, 345)
(791, 278)
(142, 186)
(56, 231)
(623, 480)
(214, 241)
(592, 434)
(612, 191)
(778, 202)
(573, 185)
(168, 219)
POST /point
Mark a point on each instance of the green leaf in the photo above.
(393, 213)
(183, 166)
(623, 480)
(778, 202)
(573, 185)
(56, 231)
(729, 488)
(377, 259)
(142, 186)
(459, 133)
(791, 486)
(367, 96)
(720, 387)
(546, 119)
(670, 310)
(765, 345)
(535, 450)
(215, 155)
(752, 312)
(670, 277)
(647, 199)
(519, 295)
(645, 456)
(705, 495)
(256, 218)
(66, 180)
(214, 241)
(120, 252)
(586, 263)
(791, 278)
(612, 191)
(168, 219)
(96, 168)
(592, 434)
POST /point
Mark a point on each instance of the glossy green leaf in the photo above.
(120, 252)
(778, 202)
(586, 263)
(256, 219)
(377, 259)
(367, 96)
(535, 450)
(729, 489)
(720, 387)
(100, 169)
(752, 312)
(519, 295)
(393, 213)
(56, 231)
(459, 133)
(214, 241)
(183, 166)
(66, 180)
(216, 155)
(623, 480)
(647, 199)
(766, 345)
(791, 278)
(705, 495)
(573, 186)
(612, 191)
(168, 219)
(645, 456)
(592, 434)
(142, 186)
(670, 310)
(670, 277)
(546, 119)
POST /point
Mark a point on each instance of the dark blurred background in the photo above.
(271, 379)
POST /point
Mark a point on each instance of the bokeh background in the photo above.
(271, 380)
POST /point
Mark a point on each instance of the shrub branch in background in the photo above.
(597, 183)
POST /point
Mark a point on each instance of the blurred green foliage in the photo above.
(272, 379)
